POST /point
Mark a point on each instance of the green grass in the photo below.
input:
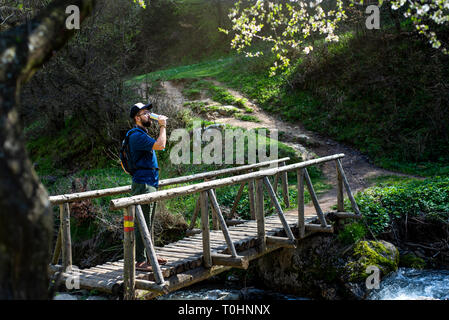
(199, 70)
(423, 168)
(389, 180)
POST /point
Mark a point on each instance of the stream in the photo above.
(412, 284)
(210, 292)
(404, 284)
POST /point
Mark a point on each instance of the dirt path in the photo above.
(357, 167)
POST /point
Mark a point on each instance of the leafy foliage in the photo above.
(429, 198)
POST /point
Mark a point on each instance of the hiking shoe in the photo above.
(145, 266)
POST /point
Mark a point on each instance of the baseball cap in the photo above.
(139, 106)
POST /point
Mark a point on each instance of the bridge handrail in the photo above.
(72, 197)
(186, 190)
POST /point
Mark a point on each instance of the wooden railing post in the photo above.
(252, 200)
(215, 222)
(340, 196)
(129, 254)
(260, 216)
(66, 244)
(58, 244)
(207, 258)
(284, 180)
(301, 215)
(354, 205)
(276, 182)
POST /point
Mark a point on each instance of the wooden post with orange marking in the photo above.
(129, 253)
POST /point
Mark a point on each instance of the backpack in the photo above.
(125, 155)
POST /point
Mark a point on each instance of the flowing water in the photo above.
(412, 284)
(404, 284)
(210, 292)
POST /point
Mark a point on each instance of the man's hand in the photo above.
(162, 120)
(162, 139)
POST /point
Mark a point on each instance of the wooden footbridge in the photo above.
(204, 252)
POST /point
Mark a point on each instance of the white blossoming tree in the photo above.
(288, 24)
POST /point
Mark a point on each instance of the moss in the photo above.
(371, 253)
(409, 260)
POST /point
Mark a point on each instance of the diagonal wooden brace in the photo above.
(237, 199)
(146, 238)
(224, 228)
(319, 212)
(287, 229)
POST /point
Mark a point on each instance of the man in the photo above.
(146, 177)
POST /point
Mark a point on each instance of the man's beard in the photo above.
(147, 123)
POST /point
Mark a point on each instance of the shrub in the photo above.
(409, 260)
(352, 233)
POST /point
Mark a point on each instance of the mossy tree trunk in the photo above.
(25, 213)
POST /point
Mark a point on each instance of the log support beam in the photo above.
(280, 241)
(240, 262)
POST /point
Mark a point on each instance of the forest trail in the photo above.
(358, 168)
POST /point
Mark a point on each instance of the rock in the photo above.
(64, 296)
(356, 290)
(301, 271)
(308, 141)
(227, 110)
(380, 254)
(230, 296)
(219, 126)
(323, 268)
(232, 277)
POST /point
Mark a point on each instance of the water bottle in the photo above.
(154, 116)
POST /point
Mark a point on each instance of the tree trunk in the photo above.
(25, 213)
